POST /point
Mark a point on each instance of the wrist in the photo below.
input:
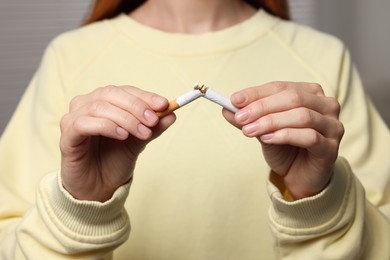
(301, 186)
(98, 194)
(314, 210)
(83, 187)
(88, 221)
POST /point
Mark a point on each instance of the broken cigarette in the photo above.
(198, 91)
(180, 101)
(217, 98)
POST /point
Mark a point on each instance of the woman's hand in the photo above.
(298, 128)
(102, 136)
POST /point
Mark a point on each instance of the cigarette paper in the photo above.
(217, 98)
(188, 97)
(180, 101)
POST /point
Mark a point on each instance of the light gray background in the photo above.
(27, 26)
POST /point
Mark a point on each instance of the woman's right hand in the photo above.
(102, 136)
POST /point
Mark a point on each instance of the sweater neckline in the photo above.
(180, 44)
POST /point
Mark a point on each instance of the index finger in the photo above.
(246, 96)
(155, 101)
(120, 95)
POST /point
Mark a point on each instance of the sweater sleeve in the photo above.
(38, 218)
(350, 218)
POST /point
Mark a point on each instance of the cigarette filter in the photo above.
(181, 101)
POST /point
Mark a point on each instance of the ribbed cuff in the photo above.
(89, 222)
(317, 212)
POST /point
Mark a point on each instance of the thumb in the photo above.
(229, 116)
(136, 146)
(164, 123)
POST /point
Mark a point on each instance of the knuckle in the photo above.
(334, 106)
(268, 123)
(137, 106)
(127, 120)
(104, 125)
(295, 97)
(306, 116)
(64, 122)
(65, 149)
(333, 149)
(340, 130)
(284, 135)
(78, 124)
(260, 108)
(75, 103)
(97, 108)
(279, 85)
(317, 88)
(98, 90)
(106, 91)
(313, 138)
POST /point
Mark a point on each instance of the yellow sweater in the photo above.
(201, 190)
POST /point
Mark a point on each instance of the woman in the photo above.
(199, 189)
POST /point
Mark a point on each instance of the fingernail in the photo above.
(242, 115)
(150, 116)
(143, 130)
(121, 132)
(238, 98)
(266, 137)
(250, 129)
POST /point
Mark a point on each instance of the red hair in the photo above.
(105, 9)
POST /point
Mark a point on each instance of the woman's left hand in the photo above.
(298, 128)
